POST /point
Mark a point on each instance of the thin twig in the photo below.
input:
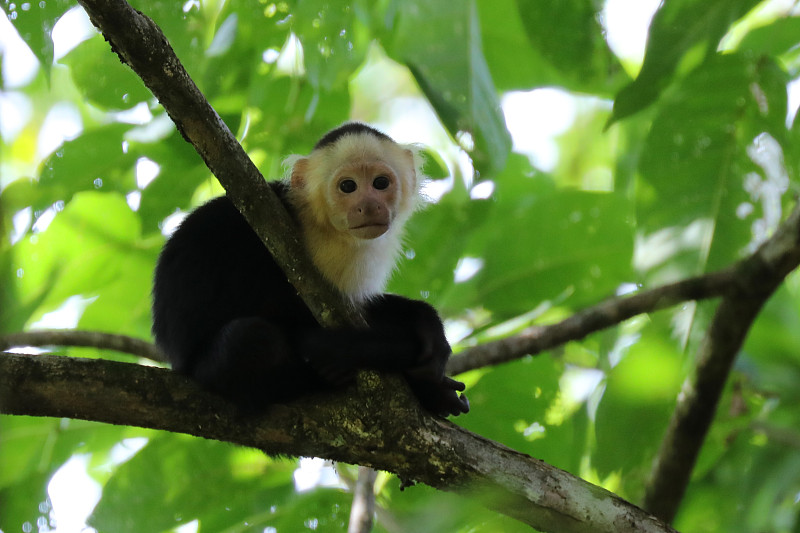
(89, 339)
(363, 508)
(536, 339)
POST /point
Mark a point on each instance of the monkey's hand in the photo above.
(440, 397)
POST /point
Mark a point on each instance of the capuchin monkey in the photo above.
(226, 316)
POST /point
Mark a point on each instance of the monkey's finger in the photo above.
(455, 405)
(453, 384)
(464, 401)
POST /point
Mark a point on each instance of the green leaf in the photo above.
(502, 30)
(34, 22)
(521, 59)
(577, 245)
(440, 41)
(774, 39)
(95, 159)
(575, 46)
(181, 172)
(291, 115)
(234, 59)
(102, 78)
(172, 480)
(681, 30)
(84, 249)
(696, 155)
(334, 44)
(639, 396)
(427, 270)
(32, 449)
(24, 503)
(754, 488)
(514, 399)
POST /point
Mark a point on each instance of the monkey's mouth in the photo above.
(369, 231)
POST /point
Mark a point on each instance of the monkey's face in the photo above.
(363, 199)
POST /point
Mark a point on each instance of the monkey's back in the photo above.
(214, 269)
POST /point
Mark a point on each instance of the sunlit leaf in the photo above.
(35, 21)
(82, 250)
(440, 41)
(698, 155)
(102, 78)
(773, 39)
(639, 397)
(96, 159)
(577, 245)
(333, 41)
(169, 465)
(681, 30)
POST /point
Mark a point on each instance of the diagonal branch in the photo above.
(367, 424)
(773, 260)
(536, 339)
(140, 44)
(756, 279)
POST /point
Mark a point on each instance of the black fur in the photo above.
(225, 315)
(349, 128)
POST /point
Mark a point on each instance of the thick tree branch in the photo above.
(141, 45)
(756, 279)
(368, 424)
(536, 339)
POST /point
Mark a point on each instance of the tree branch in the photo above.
(140, 44)
(363, 507)
(777, 253)
(756, 279)
(536, 339)
(368, 424)
(90, 339)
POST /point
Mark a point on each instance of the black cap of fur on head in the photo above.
(349, 128)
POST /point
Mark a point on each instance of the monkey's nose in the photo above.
(370, 208)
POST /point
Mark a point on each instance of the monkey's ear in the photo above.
(412, 164)
(410, 156)
(299, 171)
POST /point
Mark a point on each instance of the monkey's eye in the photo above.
(347, 186)
(381, 182)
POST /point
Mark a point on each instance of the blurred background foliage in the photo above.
(565, 170)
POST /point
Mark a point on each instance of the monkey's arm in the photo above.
(404, 336)
(421, 324)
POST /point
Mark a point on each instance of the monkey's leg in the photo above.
(251, 362)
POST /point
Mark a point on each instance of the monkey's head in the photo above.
(357, 182)
(352, 194)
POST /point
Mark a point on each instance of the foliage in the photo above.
(692, 167)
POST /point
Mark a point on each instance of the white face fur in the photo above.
(353, 198)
